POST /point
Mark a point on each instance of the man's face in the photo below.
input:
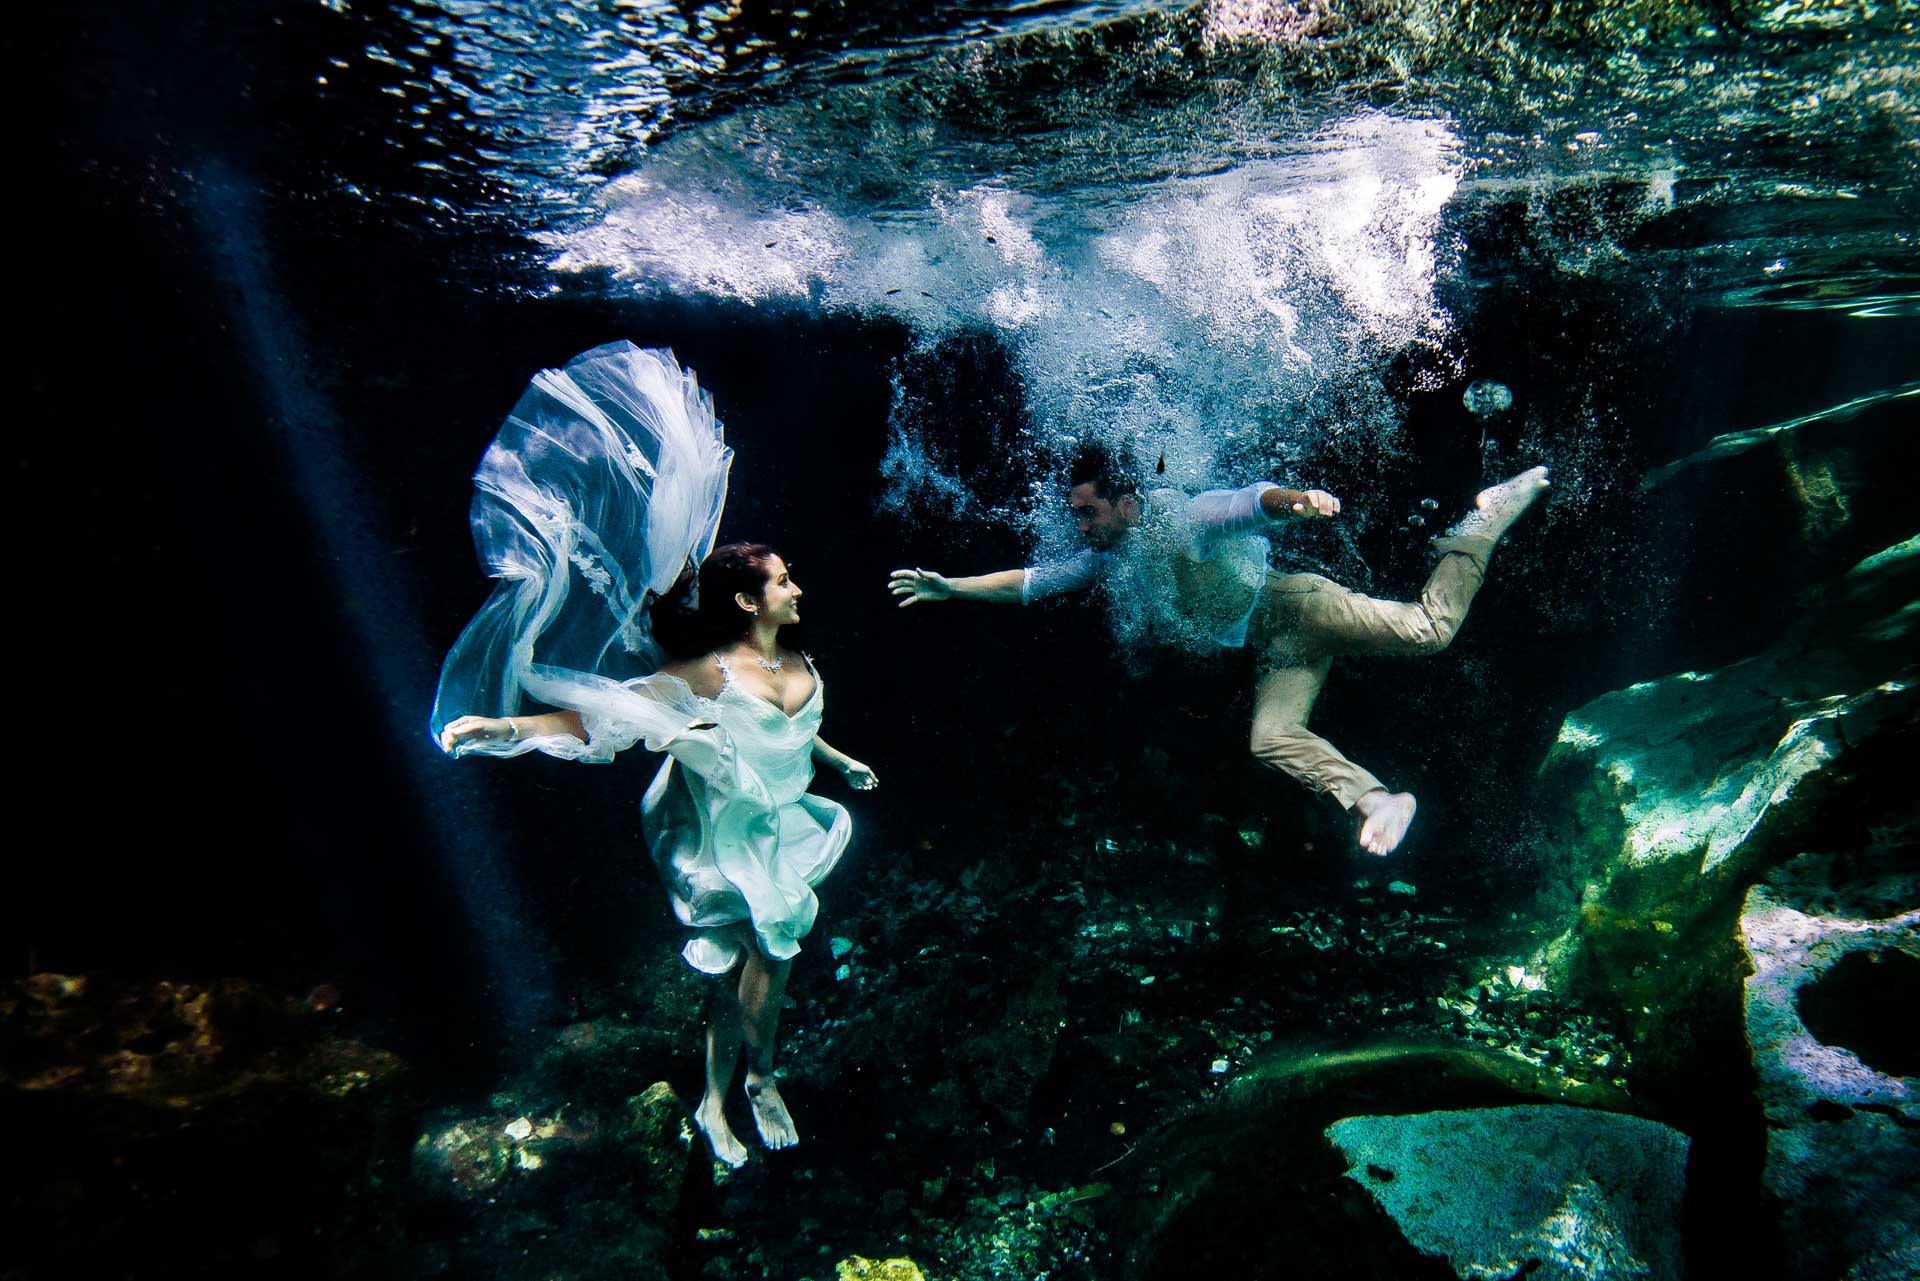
(1101, 523)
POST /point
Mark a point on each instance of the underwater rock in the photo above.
(176, 1051)
(657, 1127)
(552, 1153)
(857, 1268)
(132, 1109)
(1208, 1196)
(1010, 1056)
(1665, 800)
(1835, 951)
(485, 1156)
(1537, 1191)
(563, 1140)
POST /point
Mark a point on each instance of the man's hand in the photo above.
(911, 586)
(1309, 504)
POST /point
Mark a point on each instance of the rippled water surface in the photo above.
(1268, 198)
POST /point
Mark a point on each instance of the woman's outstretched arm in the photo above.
(509, 729)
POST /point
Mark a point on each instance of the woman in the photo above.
(731, 825)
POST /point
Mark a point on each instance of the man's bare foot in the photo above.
(1386, 816)
(712, 1120)
(1497, 507)
(770, 1112)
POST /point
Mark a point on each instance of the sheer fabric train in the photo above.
(606, 480)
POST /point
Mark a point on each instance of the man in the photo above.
(1194, 572)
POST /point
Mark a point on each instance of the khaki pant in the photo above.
(1304, 622)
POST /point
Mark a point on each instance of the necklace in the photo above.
(774, 666)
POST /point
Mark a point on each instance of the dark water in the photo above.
(291, 264)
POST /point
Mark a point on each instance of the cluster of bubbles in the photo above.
(1198, 321)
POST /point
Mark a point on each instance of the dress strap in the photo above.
(726, 673)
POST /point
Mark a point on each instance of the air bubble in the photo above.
(1485, 397)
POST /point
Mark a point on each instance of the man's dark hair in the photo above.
(1110, 472)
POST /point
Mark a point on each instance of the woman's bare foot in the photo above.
(1498, 506)
(1385, 816)
(712, 1120)
(770, 1112)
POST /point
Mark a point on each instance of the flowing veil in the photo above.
(606, 480)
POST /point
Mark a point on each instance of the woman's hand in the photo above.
(911, 586)
(475, 729)
(859, 777)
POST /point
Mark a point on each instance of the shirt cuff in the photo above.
(1260, 487)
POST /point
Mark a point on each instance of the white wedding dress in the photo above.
(607, 479)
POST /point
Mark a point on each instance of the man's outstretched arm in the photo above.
(1277, 503)
(911, 586)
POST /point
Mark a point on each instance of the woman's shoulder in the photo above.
(702, 674)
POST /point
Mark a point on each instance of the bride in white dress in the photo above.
(609, 476)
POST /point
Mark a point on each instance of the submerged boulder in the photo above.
(132, 1108)
(858, 1268)
(1665, 800)
(1830, 1013)
(1536, 1191)
(1211, 1195)
(517, 1150)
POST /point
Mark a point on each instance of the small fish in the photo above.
(892, 292)
(992, 241)
(770, 244)
(1160, 468)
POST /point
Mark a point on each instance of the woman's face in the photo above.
(779, 601)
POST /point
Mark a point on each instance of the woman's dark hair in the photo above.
(685, 626)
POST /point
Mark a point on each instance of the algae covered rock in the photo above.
(659, 1139)
(528, 1153)
(1830, 1015)
(1665, 800)
(857, 1268)
(131, 1108)
(482, 1157)
(1537, 1191)
(1210, 1195)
